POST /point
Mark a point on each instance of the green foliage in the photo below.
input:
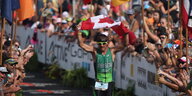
(75, 78)
(33, 64)
(53, 71)
(72, 78)
(129, 92)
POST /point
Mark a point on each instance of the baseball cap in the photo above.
(168, 45)
(65, 14)
(184, 59)
(54, 17)
(59, 20)
(84, 7)
(3, 69)
(105, 33)
(101, 37)
(69, 19)
(10, 61)
(64, 22)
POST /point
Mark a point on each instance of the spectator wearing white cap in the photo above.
(64, 27)
(58, 26)
(85, 14)
(65, 15)
(10, 87)
(70, 30)
(54, 20)
(35, 25)
(183, 62)
(64, 22)
(3, 70)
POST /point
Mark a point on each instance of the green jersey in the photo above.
(104, 66)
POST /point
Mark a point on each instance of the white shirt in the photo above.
(35, 25)
(50, 28)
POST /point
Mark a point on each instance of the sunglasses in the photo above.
(101, 43)
(162, 22)
(12, 64)
(16, 45)
(162, 37)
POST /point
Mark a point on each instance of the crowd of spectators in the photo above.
(12, 70)
(155, 37)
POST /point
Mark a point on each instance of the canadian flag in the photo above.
(186, 10)
(97, 22)
(105, 22)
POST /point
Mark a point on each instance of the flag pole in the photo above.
(36, 11)
(74, 7)
(12, 32)
(36, 8)
(168, 19)
(143, 22)
(1, 45)
(187, 37)
(61, 7)
(15, 27)
(92, 9)
(181, 29)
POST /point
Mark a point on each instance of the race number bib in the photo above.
(101, 86)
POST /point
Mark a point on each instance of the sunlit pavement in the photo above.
(36, 84)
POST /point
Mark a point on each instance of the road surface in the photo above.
(36, 84)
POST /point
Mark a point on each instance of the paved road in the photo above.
(36, 84)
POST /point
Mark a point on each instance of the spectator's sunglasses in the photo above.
(162, 37)
(12, 64)
(16, 45)
(101, 43)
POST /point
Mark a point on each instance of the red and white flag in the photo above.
(102, 21)
(186, 9)
(97, 22)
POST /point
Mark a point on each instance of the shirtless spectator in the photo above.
(133, 23)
